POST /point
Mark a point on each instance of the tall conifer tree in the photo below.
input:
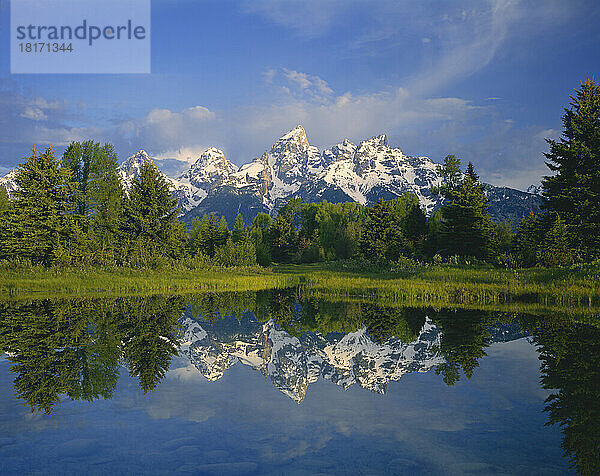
(574, 190)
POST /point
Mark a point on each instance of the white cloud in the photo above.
(187, 154)
(34, 113)
(313, 85)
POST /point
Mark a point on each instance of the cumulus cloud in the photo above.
(34, 113)
(309, 84)
(187, 154)
(35, 121)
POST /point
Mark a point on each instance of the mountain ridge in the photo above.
(292, 168)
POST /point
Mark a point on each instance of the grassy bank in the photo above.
(52, 283)
(577, 287)
(560, 287)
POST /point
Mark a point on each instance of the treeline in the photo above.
(75, 211)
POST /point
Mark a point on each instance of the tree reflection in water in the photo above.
(75, 348)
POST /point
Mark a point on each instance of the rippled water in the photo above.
(269, 383)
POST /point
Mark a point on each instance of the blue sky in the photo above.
(485, 80)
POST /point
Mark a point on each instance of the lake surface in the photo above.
(270, 383)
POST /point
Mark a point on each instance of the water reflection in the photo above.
(75, 348)
(570, 365)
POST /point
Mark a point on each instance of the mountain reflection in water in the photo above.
(75, 348)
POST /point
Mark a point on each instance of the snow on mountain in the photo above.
(293, 161)
(256, 177)
(131, 168)
(535, 189)
(211, 168)
(294, 168)
(292, 363)
(189, 195)
(374, 169)
(9, 183)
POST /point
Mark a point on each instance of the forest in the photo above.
(73, 211)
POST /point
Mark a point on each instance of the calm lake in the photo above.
(271, 383)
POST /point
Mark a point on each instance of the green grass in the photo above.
(52, 283)
(445, 284)
(575, 289)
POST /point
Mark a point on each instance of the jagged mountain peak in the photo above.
(380, 141)
(343, 150)
(294, 168)
(140, 157)
(297, 134)
(211, 167)
(216, 158)
(132, 166)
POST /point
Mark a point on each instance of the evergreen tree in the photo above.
(193, 237)
(151, 213)
(574, 190)
(222, 233)
(527, 240)
(392, 228)
(238, 233)
(259, 235)
(470, 172)
(284, 231)
(382, 237)
(207, 235)
(554, 250)
(4, 200)
(5, 207)
(415, 225)
(467, 228)
(451, 176)
(42, 221)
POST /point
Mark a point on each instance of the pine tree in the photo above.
(207, 235)
(526, 241)
(451, 176)
(151, 213)
(574, 190)
(42, 219)
(222, 233)
(5, 207)
(238, 233)
(470, 172)
(382, 236)
(260, 237)
(554, 249)
(4, 200)
(467, 228)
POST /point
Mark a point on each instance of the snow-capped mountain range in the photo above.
(292, 363)
(293, 168)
